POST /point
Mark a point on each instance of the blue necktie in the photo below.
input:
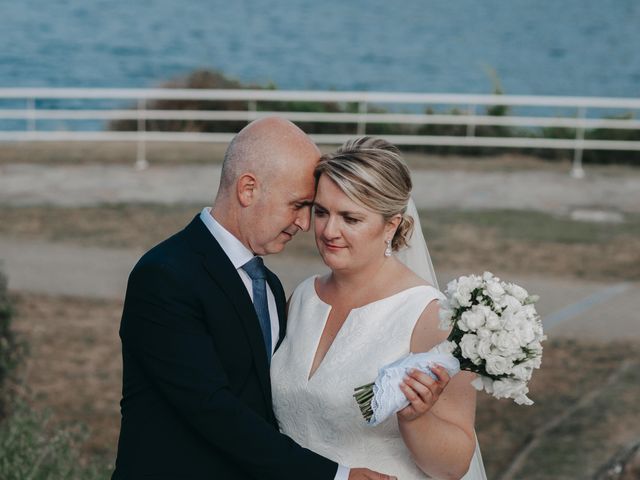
(255, 269)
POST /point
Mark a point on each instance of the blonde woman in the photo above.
(370, 310)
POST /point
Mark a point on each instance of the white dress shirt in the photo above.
(239, 255)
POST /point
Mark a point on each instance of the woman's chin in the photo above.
(332, 261)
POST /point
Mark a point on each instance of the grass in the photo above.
(506, 241)
(34, 448)
(175, 153)
(74, 370)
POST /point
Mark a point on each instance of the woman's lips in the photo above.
(333, 247)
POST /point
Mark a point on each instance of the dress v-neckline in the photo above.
(311, 375)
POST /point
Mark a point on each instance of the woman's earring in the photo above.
(387, 251)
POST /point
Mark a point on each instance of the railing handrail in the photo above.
(317, 96)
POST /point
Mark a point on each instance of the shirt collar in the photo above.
(234, 248)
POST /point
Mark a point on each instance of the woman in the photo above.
(370, 310)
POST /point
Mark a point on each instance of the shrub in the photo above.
(32, 448)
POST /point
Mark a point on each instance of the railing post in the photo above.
(141, 156)
(31, 108)
(471, 127)
(252, 108)
(576, 169)
(362, 122)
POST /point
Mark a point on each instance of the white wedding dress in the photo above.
(320, 412)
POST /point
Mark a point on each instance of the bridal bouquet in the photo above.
(495, 332)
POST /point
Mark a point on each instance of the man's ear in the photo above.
(246, 189)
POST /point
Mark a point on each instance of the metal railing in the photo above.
(30, 107)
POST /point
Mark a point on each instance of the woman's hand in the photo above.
(422, 391)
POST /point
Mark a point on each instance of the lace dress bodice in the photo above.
(320, 412)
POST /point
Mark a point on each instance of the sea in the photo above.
(539, 47)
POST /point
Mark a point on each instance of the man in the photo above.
(199, 327)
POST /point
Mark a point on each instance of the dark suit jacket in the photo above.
(196, 392)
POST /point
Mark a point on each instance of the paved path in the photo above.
(570, 308)
(554, 192)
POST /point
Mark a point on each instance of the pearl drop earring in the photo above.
(387, 251)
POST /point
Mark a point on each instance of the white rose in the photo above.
(512, 319)
(473, 318)
(445, 318)
(495, 291)
(484, 348)
(483, 332)
(489, 277)
(507, 342)
(532, 363)
(483, 383)
(510, 303)
(469, 347)
(497, 365)
(493, 321)
(521, 372)
(524, 332)
(508, 388)
(517, 291)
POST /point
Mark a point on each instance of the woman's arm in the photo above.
(438, 425)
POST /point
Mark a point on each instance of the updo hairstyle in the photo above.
(372, 173)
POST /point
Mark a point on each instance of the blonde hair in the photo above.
(372, 173)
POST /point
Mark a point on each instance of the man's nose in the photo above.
(303, 219)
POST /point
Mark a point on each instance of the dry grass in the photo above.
(74, 364)
(175, 153)
(505, 241)
(74, 368)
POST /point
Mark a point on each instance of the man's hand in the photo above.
(366, 474)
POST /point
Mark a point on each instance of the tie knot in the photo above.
(255, 268)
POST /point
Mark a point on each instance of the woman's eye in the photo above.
(351, 220)
(318, 213)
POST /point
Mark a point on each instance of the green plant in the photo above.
(31, 447)
(11, 350)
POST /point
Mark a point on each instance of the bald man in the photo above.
(196, 395)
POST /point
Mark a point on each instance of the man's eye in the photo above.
(351, 220)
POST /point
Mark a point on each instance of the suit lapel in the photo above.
(226, 277)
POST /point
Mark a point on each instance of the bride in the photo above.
(370, 310)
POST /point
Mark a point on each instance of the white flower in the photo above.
(506, 342)
(483, 383)
(510, 303)
(446, 316)
(521, 372)
(484, 348)
(497, 365)
(469, 347)
(524, 333)
(494, 290)
(493, 321)
(509, 388)
(483, 332)
(473, 319)
(517, 291)
(488, 277)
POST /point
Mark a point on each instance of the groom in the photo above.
(202, 317)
